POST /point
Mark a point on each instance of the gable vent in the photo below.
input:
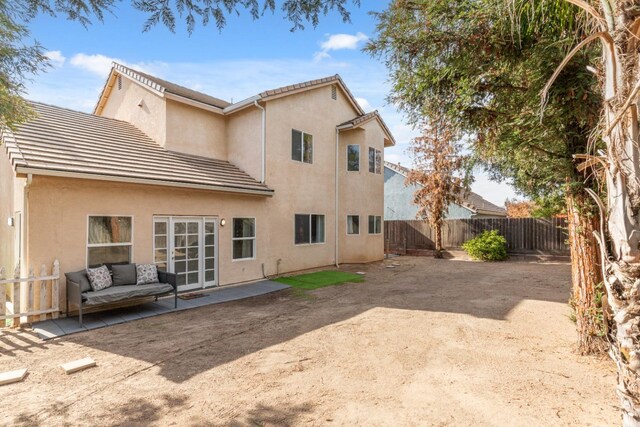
(119, 82)
(334, 94)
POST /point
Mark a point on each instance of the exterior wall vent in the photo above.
(119, 82)
(334, 94)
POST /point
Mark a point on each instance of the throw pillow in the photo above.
(80, 277)
(146, 273)
(99, 278)
(124, 274)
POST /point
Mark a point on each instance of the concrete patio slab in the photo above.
(55, 328)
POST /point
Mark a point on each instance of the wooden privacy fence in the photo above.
(524, 235)
(27, 299)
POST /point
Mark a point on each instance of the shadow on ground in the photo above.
(187, 343)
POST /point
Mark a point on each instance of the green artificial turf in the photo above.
(320, 279)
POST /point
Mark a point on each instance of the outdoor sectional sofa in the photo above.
(80, 293)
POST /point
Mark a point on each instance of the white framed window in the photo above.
(353, 224)
(375, 224)
(309, 228)
(375, 160)
(301, 146)
(244, 238)
(353, 157)
(109, 240)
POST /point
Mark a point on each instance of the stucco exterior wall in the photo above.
(195, 131)
(244, 140)
(11, 191)
(361, 193)
(150, 118)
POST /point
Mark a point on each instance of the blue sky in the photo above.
(244, 59)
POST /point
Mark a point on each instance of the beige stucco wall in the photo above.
(361, 193)
(195, 131)
(150, 117)
(244, 140)
(11, 202)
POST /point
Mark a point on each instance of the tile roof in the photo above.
(472, 200)
(165, 86)
(70, 142)
(365, 118)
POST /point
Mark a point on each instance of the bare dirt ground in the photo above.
(430, 342)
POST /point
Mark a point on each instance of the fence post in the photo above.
(3, 297)
(55, 295)
(15, 297)
(31, 304)
(43, 291)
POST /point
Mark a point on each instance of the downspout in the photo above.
(24, 268)
(264, 139)
(336, 194)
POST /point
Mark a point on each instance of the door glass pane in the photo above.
(192, 227)
(162, 266)
(193, 265)
(181, 279)
(179, 241)
(193, 278)
(180, 266)
(209, 276)
(179, 228)
(209, 239)
(161, 242)
(160, 227)
(210, 263)
(160, 255)
(180, 254)
(209, 251)
(192, 253)
(192, 240)
(209, 227)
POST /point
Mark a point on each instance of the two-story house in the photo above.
(218, 193)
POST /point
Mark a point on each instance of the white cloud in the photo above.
(56, 58)
(339, 42)
(364, 104)
(100, 65)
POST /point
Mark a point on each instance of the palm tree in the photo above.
(617, 25)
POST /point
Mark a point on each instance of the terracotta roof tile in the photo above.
(64, 140)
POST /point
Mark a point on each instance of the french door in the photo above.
(187, 246)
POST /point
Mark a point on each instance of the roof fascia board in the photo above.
(241, 104)
(80, 175)
(382, 124)
(104, 94)
(193, 103)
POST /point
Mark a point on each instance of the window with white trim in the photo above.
(309, 228)
(353, 157)
(353, 224)
(375, 160)
(244, 238)
(109, 240)
(375, 224)
(301, 146)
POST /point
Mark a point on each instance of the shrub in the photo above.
(489, 246)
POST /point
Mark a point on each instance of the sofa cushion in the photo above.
(146, 273)
(100, 278)
(124, 292)
(80, 277)
(123, 274)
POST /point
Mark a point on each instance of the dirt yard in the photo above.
(430, 342)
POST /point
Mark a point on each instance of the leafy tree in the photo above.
(20, 60)
(439, 174)
(483, 63)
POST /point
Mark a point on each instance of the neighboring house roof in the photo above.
(63, 142)
(364, 118)
(473, 201)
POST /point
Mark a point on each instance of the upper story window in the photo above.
(353, 157)
(301, 146)
(109, 240)
(244, 238)
(375, 160)
(309, 229)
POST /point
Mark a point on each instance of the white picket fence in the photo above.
(25, 300)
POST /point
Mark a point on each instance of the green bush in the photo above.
(489, 246)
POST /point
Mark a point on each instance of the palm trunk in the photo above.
(438, 251)
(586, 274)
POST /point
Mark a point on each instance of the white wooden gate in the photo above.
(25, 300)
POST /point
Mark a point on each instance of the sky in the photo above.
(245, 58)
